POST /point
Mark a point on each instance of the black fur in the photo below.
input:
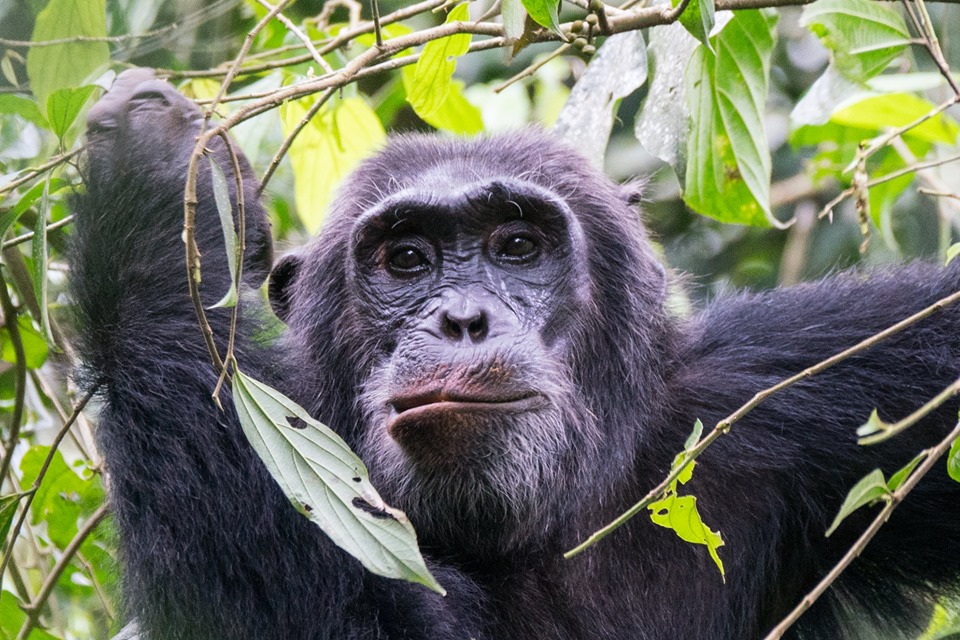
(212, 549)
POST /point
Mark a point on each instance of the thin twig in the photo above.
(28, 500)
(375, 9)
(724, 425)
(288, 141)
(4, 42)
(30, 174)
(240, 249)
(887, 431)
(244, 48)
(33, 609)
(12, 242)
(301, 36)
(10, 319)
(892, 500)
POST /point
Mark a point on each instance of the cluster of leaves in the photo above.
(693, 87)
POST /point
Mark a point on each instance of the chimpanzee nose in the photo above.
(469, 320)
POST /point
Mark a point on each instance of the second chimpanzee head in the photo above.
(483, 319)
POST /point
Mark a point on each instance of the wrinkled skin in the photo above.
(484, 323)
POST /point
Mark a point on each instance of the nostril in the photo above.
(450, 327)
(478, 328)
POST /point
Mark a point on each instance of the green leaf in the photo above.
(8, 218)
(871, 488)
(728, 177)
(64, 105)
(680, 514)
(23, 107)
(34, 346)
(8, 509)
(328, 483)
(514, 17)
(694, 438)
(953, 461)
(889, 111)
(221, 194)
(863, 36)
(698, 19)
(456, 114)
(873, 425)
(40, 258)
(64, 498)
(900, 476)
(952, 252)
(71, 64)
(326, 150)
(434, 70)
(544, 12)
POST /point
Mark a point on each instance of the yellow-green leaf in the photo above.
(433, 73)
(70, 64)
(326, 150)
(680, 514)
(456, 114)
(871, 488)
(544, 13)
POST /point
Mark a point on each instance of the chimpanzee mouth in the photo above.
(433, 406)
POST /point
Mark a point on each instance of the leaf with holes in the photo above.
(863, 36)
(328, 483)
(728, 174)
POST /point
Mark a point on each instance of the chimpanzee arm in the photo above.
(210, 546)
(791, 461)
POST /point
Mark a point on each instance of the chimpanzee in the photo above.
(484, 322)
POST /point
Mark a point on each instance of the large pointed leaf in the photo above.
(871, 488)
(618, 69)
(727, 93)
(70, 64)
(433, 73)
(863, 36)
(328, 483)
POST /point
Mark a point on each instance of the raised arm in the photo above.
(210, 546)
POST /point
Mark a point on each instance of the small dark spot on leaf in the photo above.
(307, 508)
(356, 478)
(296, 422)
(363, 505)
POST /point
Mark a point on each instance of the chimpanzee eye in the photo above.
(519, 247)
(407, 260)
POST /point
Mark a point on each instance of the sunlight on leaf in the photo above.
(327, 149)
(680, 513)
(433, 73)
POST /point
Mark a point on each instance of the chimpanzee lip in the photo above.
(464, 401)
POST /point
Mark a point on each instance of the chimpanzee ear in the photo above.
(282, 277)
(633, 191)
